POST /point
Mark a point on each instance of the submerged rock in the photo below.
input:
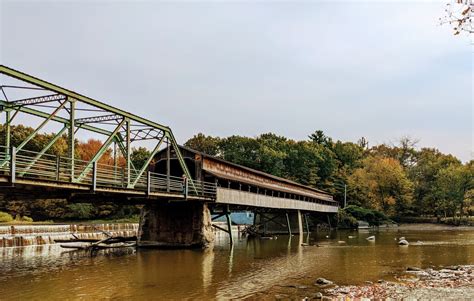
(403, 242)
(371, 238)
(413, 269)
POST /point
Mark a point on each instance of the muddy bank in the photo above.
(454, 282)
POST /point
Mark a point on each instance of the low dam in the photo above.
(29, 235)
(34, 235)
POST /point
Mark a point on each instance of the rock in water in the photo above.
(322, 281)
(402, 238)
(403, 242)
(371, 238)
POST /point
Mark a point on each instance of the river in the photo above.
(50, 273)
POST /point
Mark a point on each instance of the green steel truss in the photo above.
(97, 118)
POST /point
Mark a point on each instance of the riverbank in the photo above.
(431, 227)
(453, 282)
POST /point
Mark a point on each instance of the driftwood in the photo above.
(95, 244)
(93, 240)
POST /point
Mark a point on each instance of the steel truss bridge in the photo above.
(30, 173)
(70, 112)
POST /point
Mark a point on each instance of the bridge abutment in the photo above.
(175, 225)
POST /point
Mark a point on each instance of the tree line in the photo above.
(397, 180)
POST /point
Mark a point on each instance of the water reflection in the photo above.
(251, 265)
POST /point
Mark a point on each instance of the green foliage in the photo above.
(206, 144)
(26, 219)
(373, 217)
(139, 156)
(346, 220)
(5, 217)
(80, 211)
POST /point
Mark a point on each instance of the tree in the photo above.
(382, 184)
(206, 144)
(139, 156)
(319, 137)
(241, 150)
(86, 151)
(429, 162)
(460, 15)
(453, 186)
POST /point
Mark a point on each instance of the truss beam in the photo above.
(37, 100)
(98, 119)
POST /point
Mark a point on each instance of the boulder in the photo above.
(403, 242)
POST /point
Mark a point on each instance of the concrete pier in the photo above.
(175, 225)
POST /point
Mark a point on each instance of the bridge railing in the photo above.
(34, 165)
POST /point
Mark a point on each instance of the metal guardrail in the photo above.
(24, 164)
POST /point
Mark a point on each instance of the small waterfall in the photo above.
(29, 235)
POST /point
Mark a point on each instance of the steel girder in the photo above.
(148, 129)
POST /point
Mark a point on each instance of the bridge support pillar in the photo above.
(300, 222)
(175, 225)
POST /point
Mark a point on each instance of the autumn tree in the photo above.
(381, 183)
(460, 15)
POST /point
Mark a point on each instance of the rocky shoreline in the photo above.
(442, 283)
(454, 282)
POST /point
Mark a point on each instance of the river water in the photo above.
(50, 273)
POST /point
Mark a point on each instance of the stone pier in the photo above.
(175, 225)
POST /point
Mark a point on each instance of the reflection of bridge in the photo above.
(191, 183)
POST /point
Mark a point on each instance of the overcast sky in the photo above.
(376, 69)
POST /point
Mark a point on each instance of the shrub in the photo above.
(373, 217)
(5, 217)
(345, 220)
(26, 219)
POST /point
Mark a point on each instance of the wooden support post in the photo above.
(288, 222)
(58, 167)
(13, 164)
(127, 145)
(148, 183)
(185, 188)
(300, 223)
(168, 164)
(229, 227)
(71, 137)
(307, 224)
(329, 222)
(94, 175)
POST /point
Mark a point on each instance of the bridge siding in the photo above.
(237, 197)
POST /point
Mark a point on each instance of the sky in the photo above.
(378, 69)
